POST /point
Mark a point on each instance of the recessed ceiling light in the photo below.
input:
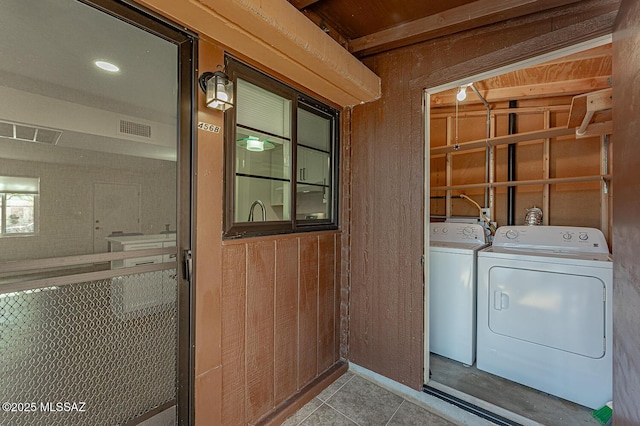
(107, 66)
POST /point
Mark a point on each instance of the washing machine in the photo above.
(452, 289)
(545, 311)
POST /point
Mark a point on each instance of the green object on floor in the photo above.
(603, 415)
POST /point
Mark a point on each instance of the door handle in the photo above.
(500, 300)
(188, 264)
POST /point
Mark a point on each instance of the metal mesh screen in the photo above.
(91, 353)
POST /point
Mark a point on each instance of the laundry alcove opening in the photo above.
(566, 176)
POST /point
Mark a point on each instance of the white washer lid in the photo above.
(461, 248)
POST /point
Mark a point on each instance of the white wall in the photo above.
(66, 201)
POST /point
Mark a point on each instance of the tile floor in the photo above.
(354, 399)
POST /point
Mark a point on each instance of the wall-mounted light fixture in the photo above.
(218, 88)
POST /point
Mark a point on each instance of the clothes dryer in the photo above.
(545, 311)
(452, 289)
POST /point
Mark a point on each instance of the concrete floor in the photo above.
(527, 402)
(361, 397)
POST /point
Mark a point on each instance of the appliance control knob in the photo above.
(583, 236)
(511, 234)
(467, 231)
(567, 236)
(445, 230)
(436, 230)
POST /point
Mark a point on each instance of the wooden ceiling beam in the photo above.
(538, 90)
(603, 51)
(302, 4)
(326, 27)
(280, 39)
(478, 13)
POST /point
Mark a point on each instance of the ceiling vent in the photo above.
(135, 129)
(28, 133)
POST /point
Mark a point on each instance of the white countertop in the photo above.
(151, 238)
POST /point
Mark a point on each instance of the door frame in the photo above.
(426, 103)
(187, 44)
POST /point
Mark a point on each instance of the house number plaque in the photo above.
(208, 127)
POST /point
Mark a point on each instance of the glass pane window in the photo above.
(260, 154)
(20, 213)
(313, 187)
(261, 200)
(314, 130)
(18, 205)
(258, 108)
(280, 158)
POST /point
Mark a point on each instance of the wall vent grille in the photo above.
(135, 129)
(28, 133)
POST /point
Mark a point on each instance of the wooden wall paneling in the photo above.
(233, 334)
(388, 289)
(280, 326)
(308, 310)
(363, 226)
(344, 258)
(574, 160)
(386, 311)
(626, 205)
(338, 290)
(207, 254)
(575, 204)
(326, 302)
(414, 236)
(286, 320)
(382, 284)
(259, 349)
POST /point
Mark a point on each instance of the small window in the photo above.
(18, 205)
(281, 158)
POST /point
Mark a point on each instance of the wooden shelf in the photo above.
(503, 111)
(550, 181)
(590, 108)
(504, 140)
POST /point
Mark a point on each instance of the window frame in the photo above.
(236, 69)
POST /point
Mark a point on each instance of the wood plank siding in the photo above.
(386, 306)
(279, 320)
(626, 205)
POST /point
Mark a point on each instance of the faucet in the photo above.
(264, 210)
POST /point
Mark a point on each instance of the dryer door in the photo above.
(556, 310)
